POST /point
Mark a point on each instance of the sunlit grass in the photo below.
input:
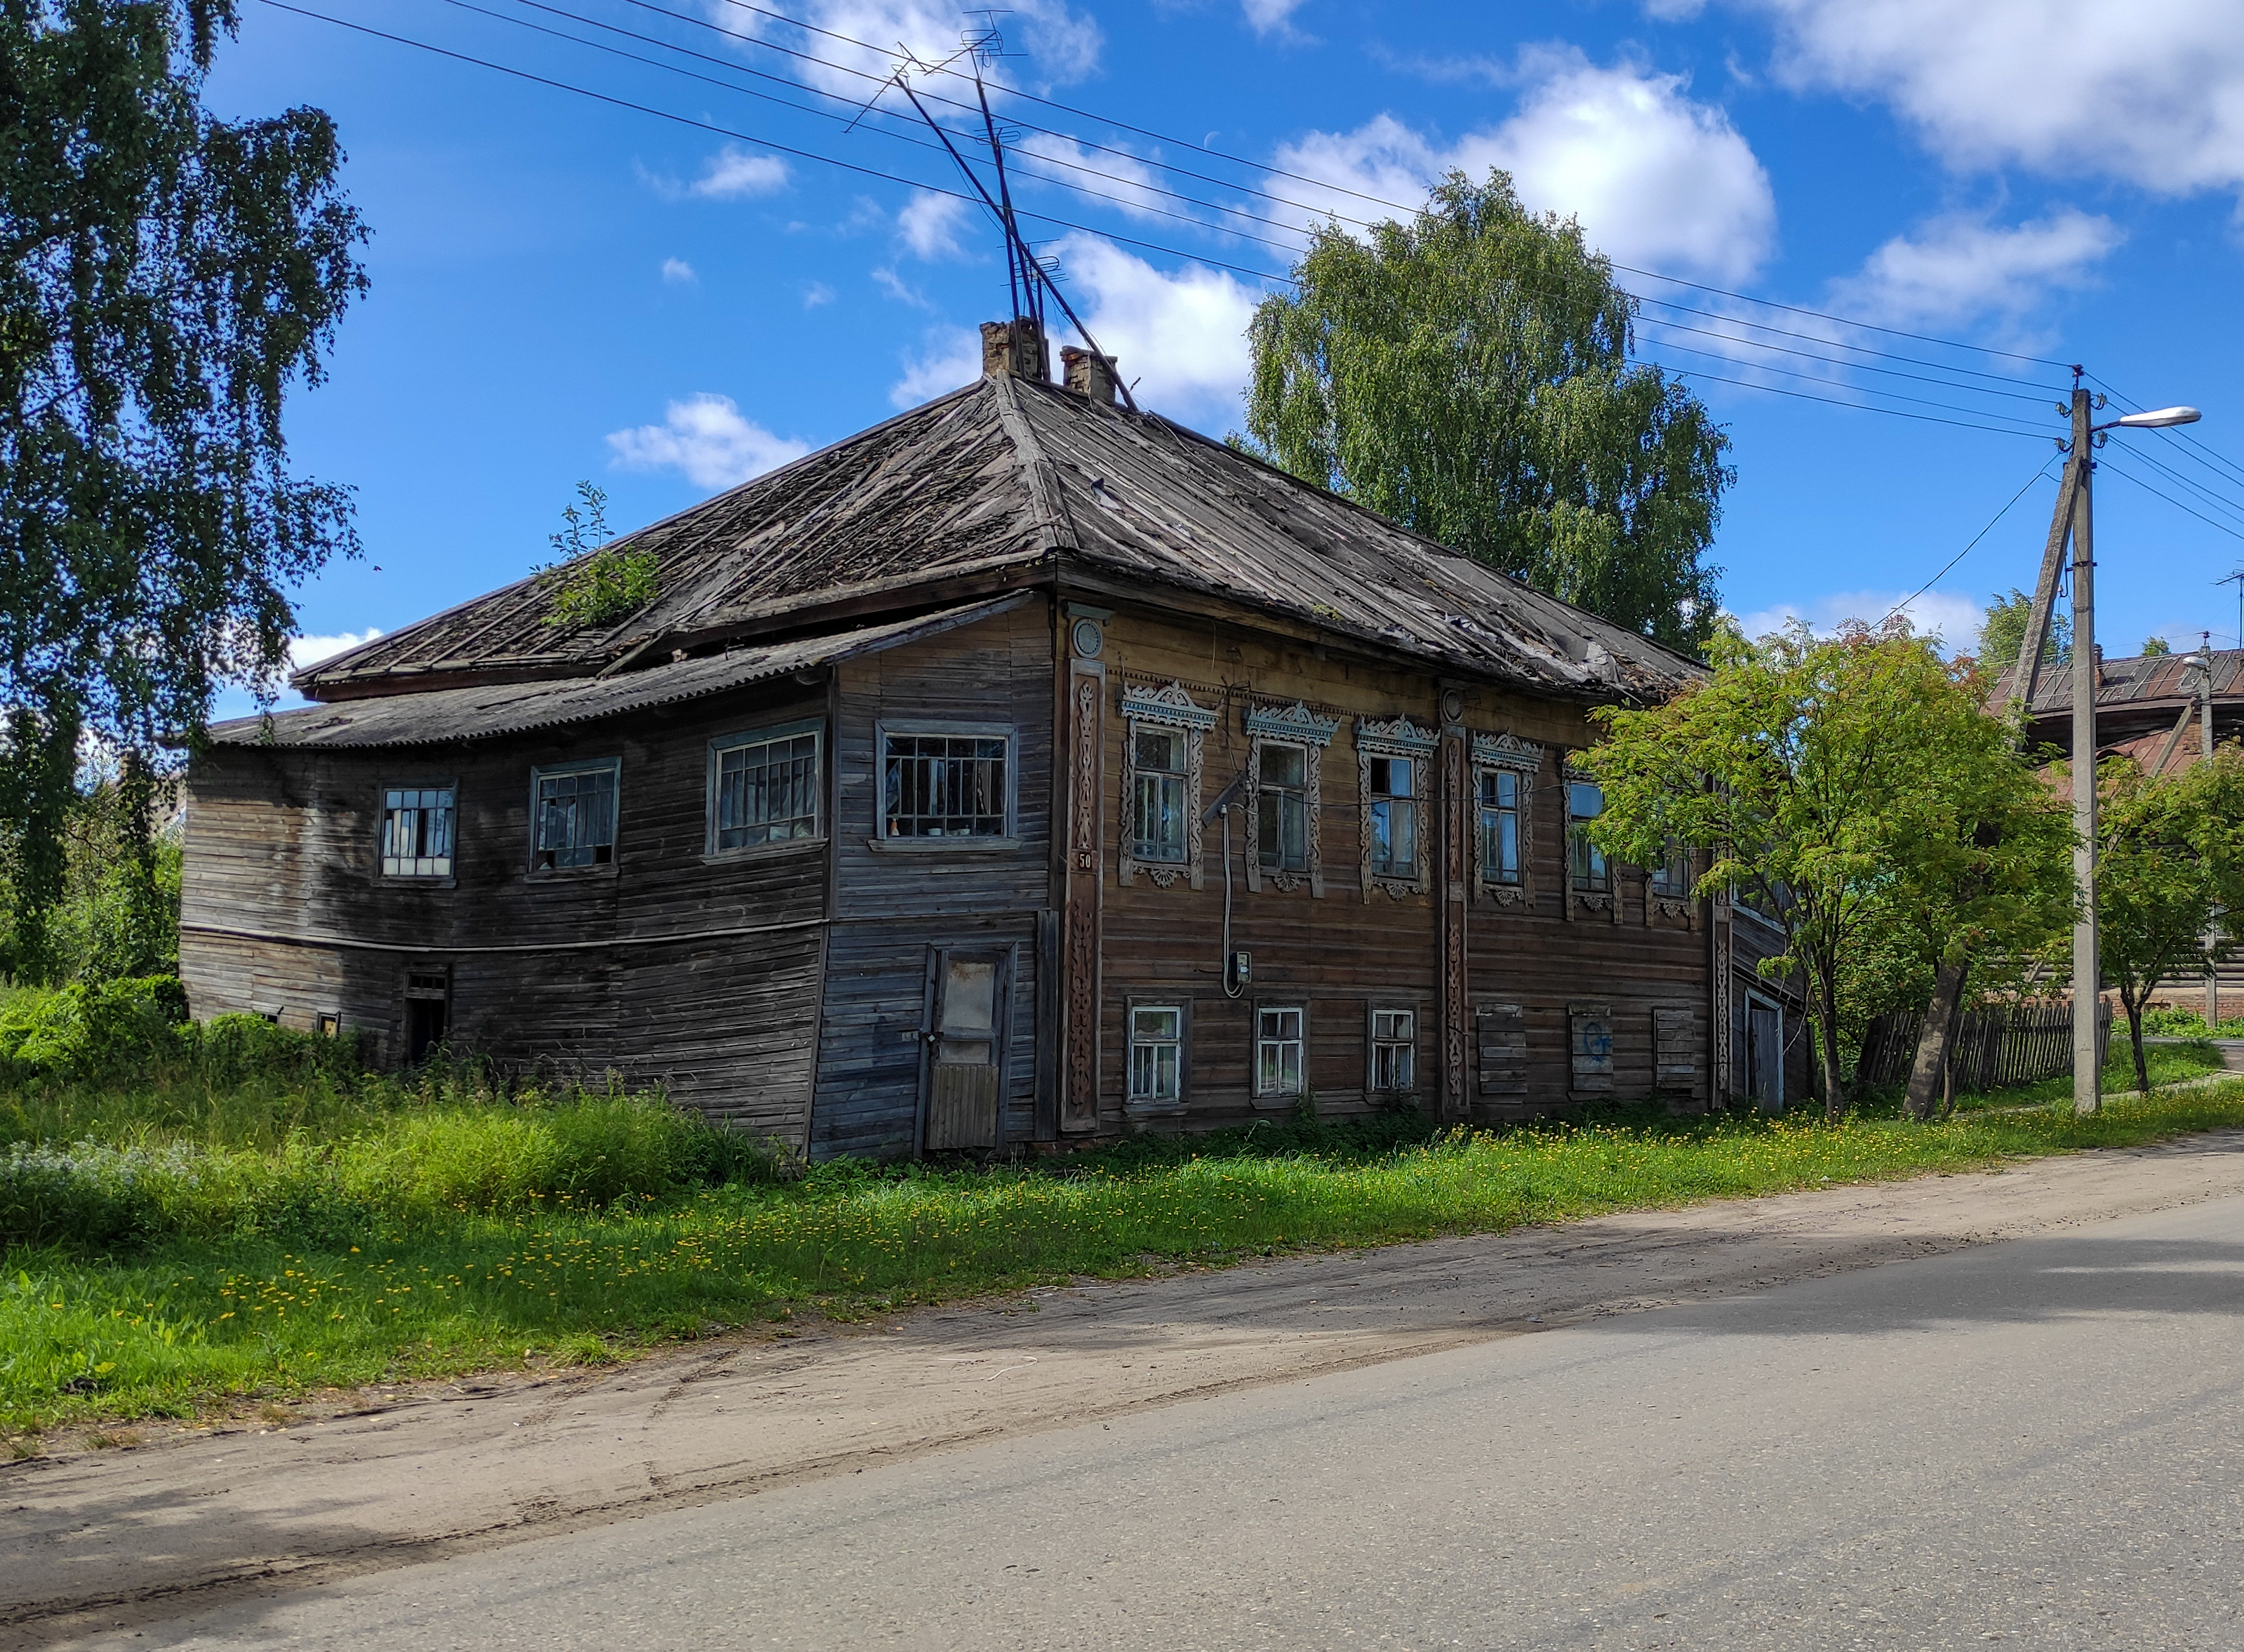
(192, 1321)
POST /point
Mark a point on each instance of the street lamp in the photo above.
(2073, 519)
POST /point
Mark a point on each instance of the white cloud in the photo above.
(1657, 179)
(734, 174)
(1270, 17)
(706, 437)
(1060, 45)
(2150, 93)
(1183, 333)
(816, 293)
(1958, 269)
(895, 287)
(678, 273)
(928, 225)
(1955, 619)
(310, 651)
(1134, 185)
(950, 360)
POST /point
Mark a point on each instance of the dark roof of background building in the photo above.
(1010, 474)
(2144, 680)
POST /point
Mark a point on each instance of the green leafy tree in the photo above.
(1855, 789)
(2002, 634)
(592, 582)
(165, 278)
(1467, 375)
(2156, 648)
(2169, 877)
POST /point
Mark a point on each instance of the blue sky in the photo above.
(568, 289)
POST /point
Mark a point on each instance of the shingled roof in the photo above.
(2151, 681)
(998, 484)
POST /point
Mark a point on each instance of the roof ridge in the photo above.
(1047, 505)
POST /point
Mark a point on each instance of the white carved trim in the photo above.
(1294, 722)
(1507, 751)
(1167, 708)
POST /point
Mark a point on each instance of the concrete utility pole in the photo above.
(2073, 520)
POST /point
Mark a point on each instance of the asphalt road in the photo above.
(2034, 1442)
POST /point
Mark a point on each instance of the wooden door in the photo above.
(1765, 1054)
(966, 1052)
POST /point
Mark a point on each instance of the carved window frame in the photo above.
(1524, 759)
(1171, 708)
(1396, 738)
(1294, 725)
(1676, 907)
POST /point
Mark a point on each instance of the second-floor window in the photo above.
(1281, 809)
(1394, 818)
(573, 818)
(1585, 862)
(943, 785)
(763, 788)
(1671, 877)
(1499, 826)
(1158, 810)
(416, 831)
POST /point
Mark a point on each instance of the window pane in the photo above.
(767, 792)
(1158, 831)
(1584, 801)
(1156, 1055)
(1284, 766)
(1159, 750)
(575, 820)
(943, 786)
(416, 832)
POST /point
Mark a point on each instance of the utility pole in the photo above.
(2073, 519)
(2087, 672)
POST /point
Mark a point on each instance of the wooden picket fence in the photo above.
(1993, 1049)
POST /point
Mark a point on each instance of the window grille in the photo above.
(1156, 1053)
(1499, 826)
(1278, 1051)
(576, 817)
(1394, 1050)
(416, 831)
(1157, 757)
(766, 791)
(943, 786)
(1586, 861)
(1281, 808)
(1394, 818)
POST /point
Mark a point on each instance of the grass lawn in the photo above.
(388, 1236)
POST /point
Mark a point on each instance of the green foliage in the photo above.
(1856, 789)
(2155, 648)
(2164, 1021)
(592, 582)
(2169, 876)
(165, 279)
(1468, 375)
(2002, 634)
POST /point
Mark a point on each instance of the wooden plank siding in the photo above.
(1342, 954)
(892, 905)
(284, 844)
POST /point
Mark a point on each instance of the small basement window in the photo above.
(1156, 1033)
(573, 814)
(416, 831)
(1394, 818)
(1395, 1050)
(1585, 862)
(1499, 826)
(945, 785)
(763, 788)
(1278, 1051)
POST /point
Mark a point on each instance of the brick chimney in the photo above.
(1087, 373)
(1015, 349)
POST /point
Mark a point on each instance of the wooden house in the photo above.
(1021, 771)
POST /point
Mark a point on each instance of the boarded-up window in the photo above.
(1591, 1034)
(1675, 1050)
(1502, 1037)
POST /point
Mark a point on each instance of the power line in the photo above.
(1838, 344)
(1975, 537)
(1833, 361)
(1756, 366)
(2211, 458)
(1859, 407)
(2170, 499)
(2205, 495)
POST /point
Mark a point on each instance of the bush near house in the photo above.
(235, 1210)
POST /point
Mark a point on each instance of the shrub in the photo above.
(91, 1030)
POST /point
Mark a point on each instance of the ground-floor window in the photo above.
(1394, 1050)
(1157, 1042)
(1278, 1051)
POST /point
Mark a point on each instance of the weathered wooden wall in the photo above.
(626, 968)
(1338, 953)
(892, 903)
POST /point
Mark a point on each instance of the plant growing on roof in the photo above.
(1468, 375)
(2170, 880)
(591, 582)
(1853, 789)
